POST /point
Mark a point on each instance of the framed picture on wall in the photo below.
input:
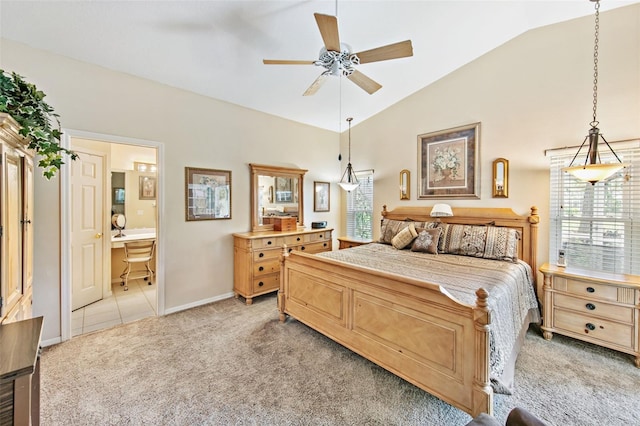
(207, 194)
(321, 201)
(147, 187)
(449, 163)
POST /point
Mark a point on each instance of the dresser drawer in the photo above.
(317, 247)
(292, 240)
(268, 242)
(604, 330)
(266, 267)
(260, 255)
(594, 308)
(266, 283)
(317, 237)
(584, 288)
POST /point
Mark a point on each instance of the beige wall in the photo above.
(196, 131)
(531, 94)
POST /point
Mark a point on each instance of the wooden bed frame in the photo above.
(412, 328)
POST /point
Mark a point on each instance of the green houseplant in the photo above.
(25, 103)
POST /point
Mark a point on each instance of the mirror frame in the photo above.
(500, 191)
(405, 184)
(258, 170)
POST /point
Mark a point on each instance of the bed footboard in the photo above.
(413, 329)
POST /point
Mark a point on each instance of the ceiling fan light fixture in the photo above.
(592, 171)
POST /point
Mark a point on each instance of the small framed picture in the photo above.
(207, 194)
(147, 187)
(321, 194)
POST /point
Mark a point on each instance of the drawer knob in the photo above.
(302, 248)
(268, 243)
(260, 284)
(590, 326)
(261, 268)
(591, 306)
(325, 244)
(290, 250)
(261, 255)
(298, 239)
(591, 290)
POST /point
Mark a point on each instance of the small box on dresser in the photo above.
(597, 307)
(285, 223)
(256, 257)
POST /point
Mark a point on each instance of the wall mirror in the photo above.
(405, 185)
(501, 178)
(275, 192)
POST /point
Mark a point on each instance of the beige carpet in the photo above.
(231, 364)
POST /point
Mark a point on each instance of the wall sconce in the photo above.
(501, 178)
(405, 185)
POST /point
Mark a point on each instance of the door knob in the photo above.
(99, 235)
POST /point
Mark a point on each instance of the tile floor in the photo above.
(122, 307)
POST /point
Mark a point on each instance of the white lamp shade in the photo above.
(441, 210)
(349, 186)
(594, 172)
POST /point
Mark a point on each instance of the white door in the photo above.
(87, 227)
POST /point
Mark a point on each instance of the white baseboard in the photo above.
(50, 342)
(198, 303)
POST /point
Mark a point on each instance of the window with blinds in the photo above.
(597, 225)
(360, 207)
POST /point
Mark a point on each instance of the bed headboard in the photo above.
(526, 225)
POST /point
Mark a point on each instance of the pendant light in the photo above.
(349, 181)
(592, 171)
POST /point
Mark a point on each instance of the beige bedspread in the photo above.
(510, 287)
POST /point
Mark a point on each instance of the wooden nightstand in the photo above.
(348, 242)
(597, 307)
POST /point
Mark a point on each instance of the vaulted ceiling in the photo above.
(216, 48)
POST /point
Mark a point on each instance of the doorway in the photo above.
(94, 265)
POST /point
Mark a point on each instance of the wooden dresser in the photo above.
(256, 257)
(596, 307)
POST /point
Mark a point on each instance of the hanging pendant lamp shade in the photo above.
(349, 181)
(592, 171)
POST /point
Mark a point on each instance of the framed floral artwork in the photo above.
(449, 163)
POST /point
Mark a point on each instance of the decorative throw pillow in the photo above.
(427, 240)
(390, 227)
(489, 242)
(404, 237)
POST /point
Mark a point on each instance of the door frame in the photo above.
(65, 222)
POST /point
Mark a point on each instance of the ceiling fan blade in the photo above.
(315, 85)
(391, 51)
(364, 82)
(328, 26)
(286, 62)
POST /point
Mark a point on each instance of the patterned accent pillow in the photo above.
(427, 240)
(390, 228)
(404, 237)
(489, 242)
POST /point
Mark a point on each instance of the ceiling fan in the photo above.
(337, 57)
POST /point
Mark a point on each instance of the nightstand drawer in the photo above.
(593, 290)
(266, 283)
(594, 328)
(594, 308)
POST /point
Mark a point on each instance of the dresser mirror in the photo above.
(275, 192)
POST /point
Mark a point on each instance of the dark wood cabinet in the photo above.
(20, 372)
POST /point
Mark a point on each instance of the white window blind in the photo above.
(597, 225)
(360, 207)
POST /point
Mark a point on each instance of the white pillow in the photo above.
(404, 237)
